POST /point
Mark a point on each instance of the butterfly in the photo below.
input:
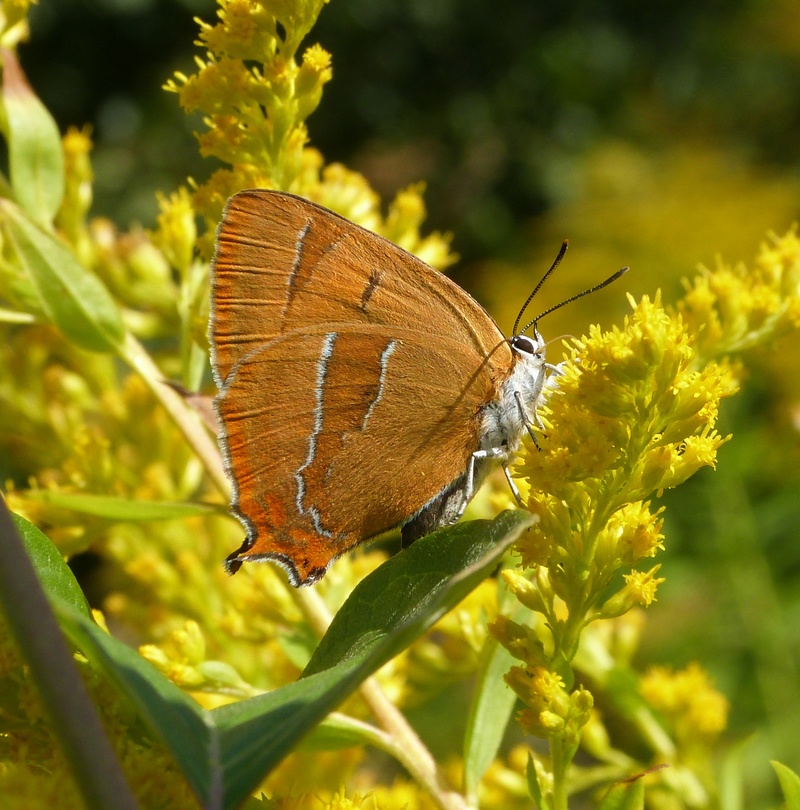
(359, 388)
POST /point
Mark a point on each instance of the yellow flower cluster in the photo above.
(633, 412)
(14, 21)
(78, 178)
(631, 415)
(687, 700)
(551, 710)
(35, 773)
(732, 309)
(256, 97)
(177, 232)
(182, 658)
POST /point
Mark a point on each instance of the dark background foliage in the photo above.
(488, 102)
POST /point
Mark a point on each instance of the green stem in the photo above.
(75, 720)
(406, 745)
(187, 421)
(560, 763)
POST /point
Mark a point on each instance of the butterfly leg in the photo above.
(477, 457)
(480, 455)
(527, 421)
(513, 487)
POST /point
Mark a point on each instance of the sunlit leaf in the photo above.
(35, 155)
(112, 507)
(74, 299)
(384, 614)
(55, 575)
(790, 785)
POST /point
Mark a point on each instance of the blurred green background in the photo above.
(657, 135)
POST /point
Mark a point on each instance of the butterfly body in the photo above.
(359, 389)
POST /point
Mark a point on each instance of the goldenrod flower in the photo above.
(632, 413)
(256, 94)
(687, 699)
(14, 21)
(177, 232)
(732, 309)
(551, 710)
(78, 179)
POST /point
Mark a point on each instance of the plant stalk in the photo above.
(75, 720)
(407, 747)
(184, 417)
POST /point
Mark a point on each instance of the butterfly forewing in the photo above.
(284, 263)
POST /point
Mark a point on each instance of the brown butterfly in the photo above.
(359, 389)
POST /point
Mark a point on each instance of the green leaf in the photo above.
(112, 507)
(35, 154)
(534, 788)
(74, 299)
(490, 711)
(172, 715)
(790, 785)
(225, 753)
(55, 575)
(731, 776)
(414, 589)
(625, 795)
(492, 701)
(184, 727)
(339, 731)
(384, 614)
(51, 665)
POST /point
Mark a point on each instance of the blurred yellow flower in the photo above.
(732, 309)
(687, 699)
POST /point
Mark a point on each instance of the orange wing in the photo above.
(284, 263)
(338, 433)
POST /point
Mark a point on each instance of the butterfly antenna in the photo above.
(561, 252)
(572, 298)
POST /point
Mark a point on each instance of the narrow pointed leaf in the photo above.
(534, 788)
(790, 785)
(172, 714)
(385, 613)
(74, 299)
(75, 723)
(183, 726)
(490, 711)
(492, 701)
(54, 574)
(731, 776)
(35, 154)
(112, 507)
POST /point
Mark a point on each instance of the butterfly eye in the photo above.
(523, 344)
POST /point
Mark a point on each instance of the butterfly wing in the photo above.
(350, 373)
(339, 432)
(284, 263)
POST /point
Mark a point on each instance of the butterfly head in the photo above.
(528, 346)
